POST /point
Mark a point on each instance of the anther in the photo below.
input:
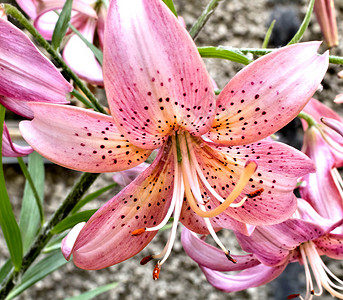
(255, 193)
(156, 272)
(229, 257)
(138, 231)
(146, 259)
(293, 296)
(312, 292)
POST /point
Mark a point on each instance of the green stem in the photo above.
(201, 21)
(15, 13)
(310, 121)
(33, 187)
(45, 234)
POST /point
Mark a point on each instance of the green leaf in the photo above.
(92, 196)
(5, 269)
(225, 53)
(96, 51)
(8, 222)
(298, 36)
(62, 24)
(171, 6)
(31, 214)
(55, 243)
(95, 292)
(268, 34)
(81, 98)
(43, 268)
(72, 220)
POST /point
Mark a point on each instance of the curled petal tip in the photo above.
(69, 241)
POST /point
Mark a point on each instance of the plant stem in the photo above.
(45, 234)
(15, 13)
(201, 21)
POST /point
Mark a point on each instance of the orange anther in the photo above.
(255, 193)
(146, 259)
(293, 296)
(156, 272)
(138, 231)
(230, 258)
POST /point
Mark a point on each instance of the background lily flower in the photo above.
(88, 17)
(161, 96)
(270, 249)
(323, 189)
(25, 75)
(326, 16)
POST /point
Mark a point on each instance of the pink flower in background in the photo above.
(25, 75)
(88, 17)
(270, 249)
(324, 145)
(124, 178)
(161, 97)
(326, 16)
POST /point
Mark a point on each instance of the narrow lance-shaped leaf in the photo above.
(72, 220)
(43, 268)
(62, 24)
(8, 222)
(298, 36)
(171, 6)
(268, 34)
(224, 53)
(30, 215)
(95, 292)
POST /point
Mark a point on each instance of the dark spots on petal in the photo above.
(146, 108)
(89, 134)
(102, 146)
(76, 134)
(257, 96)
(257, 109)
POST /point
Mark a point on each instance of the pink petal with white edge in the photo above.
(18, 57)
(102, 15)
(278, 168)
(252, 277)
(9, 149)
(273, 245)
(69, 241)
(28, 6)
(268, 94)
(80, 139)
(154, 76)
(107, 237)
(76, 53)
(211, 257)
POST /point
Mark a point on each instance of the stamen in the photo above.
(156, 272)
(230, 258)
(146, 259)
(333, 124)
(138, 231)
(293, 296)
(248, 171)
(255, 193)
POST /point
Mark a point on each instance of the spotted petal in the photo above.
(18, 83)
(106, 239)
(252, 277)
(10, 149)
(222, 167)
(80, 139)
(331, 245)
(76, 53)
(267, 94)
(154, 77)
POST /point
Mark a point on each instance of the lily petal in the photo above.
(281, 240)
(106, 239)
(331, 245)
(154, 76)
(223, 166)
(80, 139)
(267, 94)
(9, 149)
(25, 74)
(211, 257)
(76, 53)
(28, 6)
(69, 241)
(252, 277)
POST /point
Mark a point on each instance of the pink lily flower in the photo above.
(326, 16)
(161, 96)
(270, 249)
(125, 177)
(324, 145)
(25, 75)
(88, 17)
